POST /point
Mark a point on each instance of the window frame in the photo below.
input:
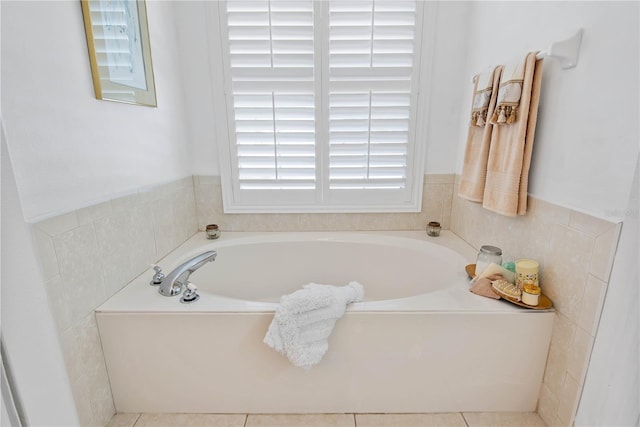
(319, 201)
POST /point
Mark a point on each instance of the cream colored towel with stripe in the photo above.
(514, 119)
(476, 154)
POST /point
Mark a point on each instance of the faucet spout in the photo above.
(173, 283)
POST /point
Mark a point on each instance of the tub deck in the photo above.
(445, 351)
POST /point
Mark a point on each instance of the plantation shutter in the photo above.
(322, 104)
(271, 58)
(371, 56)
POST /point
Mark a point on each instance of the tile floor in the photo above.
(456, 419)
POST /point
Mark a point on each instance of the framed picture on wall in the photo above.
(119, 50)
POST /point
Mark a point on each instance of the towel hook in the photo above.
(565, 51)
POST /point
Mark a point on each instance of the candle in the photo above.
(526, 272)
(531, 294)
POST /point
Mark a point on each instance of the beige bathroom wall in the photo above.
(87, 256)
(436, 206)
(575, 252)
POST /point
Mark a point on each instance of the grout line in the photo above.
(246, 418)
(136, 420)
(355, 422)
(464, 419)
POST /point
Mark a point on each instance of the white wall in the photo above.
(449, 88)
(195, 49)
(587, 132)
(611, 394)
(29, 337)
(69, 149)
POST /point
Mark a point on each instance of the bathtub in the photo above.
(419, 342)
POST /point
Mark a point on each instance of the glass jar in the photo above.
(487, 255)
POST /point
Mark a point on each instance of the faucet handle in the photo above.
(190, 294)
(158, 276)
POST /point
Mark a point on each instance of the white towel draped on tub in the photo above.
(304, 320)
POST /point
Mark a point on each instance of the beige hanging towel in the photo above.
(476, 153)
(511, 144)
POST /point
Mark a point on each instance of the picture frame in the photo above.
(119, 50)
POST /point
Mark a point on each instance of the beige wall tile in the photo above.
(604, 251)
(410, 420)
(191, 420)
(579, 354)
(92, 213)
(556, 369)
(123, 420)
(114, 245)
(90, 254)
(551, 213)
(437, 200)
(589, 224)
(568, 400)
(80, 270)
(205, 203)
(59, 224)
(563, 330)
(547, 405)
(87, 372)
(127, 246)
(122, 205)
(592, 303)
(151, 194)
(163, 227)
(303, 420)
(141, 239)
(435, 178)
(46, 253)
(59, 302)
(566, 267)
(492, 419)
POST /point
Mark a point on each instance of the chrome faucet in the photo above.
(178, 280)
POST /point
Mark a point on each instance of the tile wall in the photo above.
(87, 256)
(436, 206)
(576, 253)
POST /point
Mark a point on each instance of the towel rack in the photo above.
(565, 51)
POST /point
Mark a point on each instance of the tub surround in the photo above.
(426, 347)
(576, 253)
(581, 248)
(436, 206)
(87, 256)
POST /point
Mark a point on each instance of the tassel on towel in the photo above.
(509, 93)
(304, 320)
(481, 97)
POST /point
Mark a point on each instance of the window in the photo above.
(321, 100)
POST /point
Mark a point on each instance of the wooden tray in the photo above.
(544, 303)
(471, 270)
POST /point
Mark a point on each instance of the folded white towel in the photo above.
(304, 320)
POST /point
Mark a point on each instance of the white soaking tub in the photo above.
(419, 342)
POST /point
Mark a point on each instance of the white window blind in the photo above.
(371, 48)
(271, 47)
(322, 103)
